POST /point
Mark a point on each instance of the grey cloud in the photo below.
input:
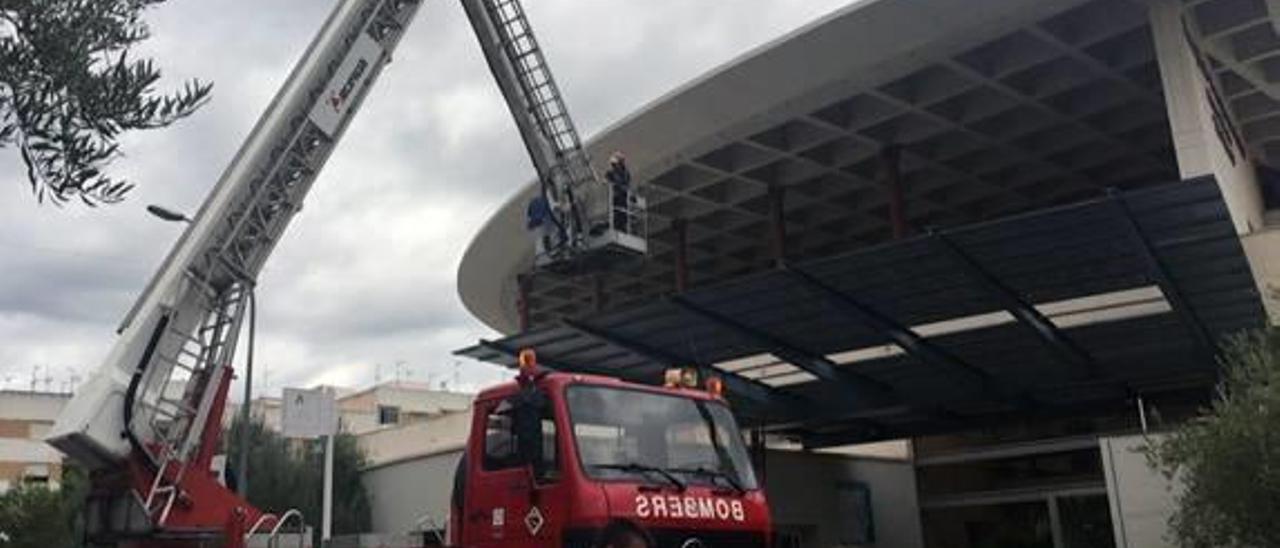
(365, 275)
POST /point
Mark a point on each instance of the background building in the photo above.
(383, 405)
(25, 418)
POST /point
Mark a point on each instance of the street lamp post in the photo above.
(242, 462)
(167, 214)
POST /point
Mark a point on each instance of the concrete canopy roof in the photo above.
(998, 106)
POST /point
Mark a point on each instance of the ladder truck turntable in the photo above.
(553, 458)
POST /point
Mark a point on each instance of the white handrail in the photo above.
(279, 522)
(261, 519)
(428, 519)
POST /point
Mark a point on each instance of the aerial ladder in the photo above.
(147, 423)
(596, 225)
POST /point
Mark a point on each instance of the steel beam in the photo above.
(1004, 418)
(1062, 346)
(777, 224)
(890, 171)
(911, 342)
(543, 359)
(681, 227)
(524, 287)
(763, 395)
(598, 298)
(1160, 272)
(859, 386)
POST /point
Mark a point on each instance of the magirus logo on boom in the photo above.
(339, 98)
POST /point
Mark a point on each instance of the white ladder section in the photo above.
(594, 223)
(177, 344)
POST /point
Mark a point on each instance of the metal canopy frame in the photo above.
(967, 326)
(1066, 349)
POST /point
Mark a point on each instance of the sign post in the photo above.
(311, 414)
(326, 531)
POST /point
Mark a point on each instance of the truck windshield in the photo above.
(627, 434)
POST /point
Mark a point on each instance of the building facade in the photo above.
(1012, 233)
(383, 405)
(25, 419)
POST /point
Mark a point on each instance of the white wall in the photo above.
(802, 492)
(31, 406)
(402, 491)
(1198, 148)
(442, 433)
(1141, 499)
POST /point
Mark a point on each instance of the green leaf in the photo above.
(69, 88)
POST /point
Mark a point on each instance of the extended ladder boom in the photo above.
(587, 214)
(153, 399)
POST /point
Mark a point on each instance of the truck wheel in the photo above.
(624, 537)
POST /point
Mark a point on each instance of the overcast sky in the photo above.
(365, 276)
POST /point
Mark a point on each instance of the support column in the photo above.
(1055, 522)
(759, 450)
(891, 178)
(1205, 138)
(681, 228)
(777, 225)
(1207, 141)
(524, 285)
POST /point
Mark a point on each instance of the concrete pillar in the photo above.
(681, 227)
(1204, 136)
(777, 225)
(890, 176)
(1141, 499)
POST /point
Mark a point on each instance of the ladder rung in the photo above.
(532, 51)
(176, 363)
(177, 404)
(183, 350)
(165, 414)
(187, 336)
(219, 324)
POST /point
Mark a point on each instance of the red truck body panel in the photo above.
(506, 507)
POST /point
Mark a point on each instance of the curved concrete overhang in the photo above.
(857, 47)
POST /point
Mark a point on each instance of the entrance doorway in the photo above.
(1067, 521)
(1042, 494)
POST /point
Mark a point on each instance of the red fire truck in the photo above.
(562, 459)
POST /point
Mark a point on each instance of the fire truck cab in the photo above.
(562, 459)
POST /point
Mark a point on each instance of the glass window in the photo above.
(388, 414)
(620, 432)
(499, 439)
(501, 449)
